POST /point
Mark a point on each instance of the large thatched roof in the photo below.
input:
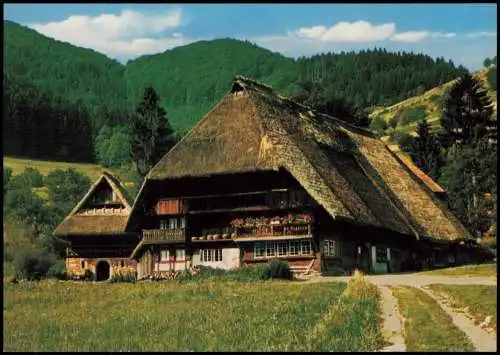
(82, 220)
(350, 172)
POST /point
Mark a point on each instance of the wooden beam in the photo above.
(227, 195)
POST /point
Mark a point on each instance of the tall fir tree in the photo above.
(470, 178)
(425, 150)
(152, 135)
(466, 113)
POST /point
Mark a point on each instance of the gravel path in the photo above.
(415, 280)
(393, 321)
(482, 340)
(392, 327)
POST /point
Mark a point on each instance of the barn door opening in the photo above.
(102, 271)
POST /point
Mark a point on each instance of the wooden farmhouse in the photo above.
(95, 232)
(262, 177)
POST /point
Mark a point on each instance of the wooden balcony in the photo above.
(274, 233)
(164, 236)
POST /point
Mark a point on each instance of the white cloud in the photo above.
(443, 34)
(481, 34)
(359, 31)
(313, 40)
(122, 36)
(364, 32)
(410, 37)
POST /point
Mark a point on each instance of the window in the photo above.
(83, 264)
(381, 253)
(294, 247)
(122, 263)
(180, 254)
(260, 250)
(164, 255)
(329, 248)
(172, 223)
(210, 255)
(305, 247)
(282, 248)
(270, 248)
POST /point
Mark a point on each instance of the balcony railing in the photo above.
(161, 236)
(273, 232)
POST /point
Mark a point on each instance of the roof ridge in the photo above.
(318, 114)
(246, 80)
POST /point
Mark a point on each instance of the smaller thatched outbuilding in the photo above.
(95, 232)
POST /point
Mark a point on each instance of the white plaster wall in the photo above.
(180, 266)
(230, 259)
(162, 267)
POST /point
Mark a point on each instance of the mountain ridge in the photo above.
(190, 79)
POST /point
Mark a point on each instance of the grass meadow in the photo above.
(483, 270)
(480, 300)
(193, 316)
(427, 327)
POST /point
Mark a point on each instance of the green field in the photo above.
(45, 167)
(480, 300)
(482, 270)
(197, 316)
(93, 171)
(427, 327)
(430, 100)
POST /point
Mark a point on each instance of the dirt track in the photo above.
(393, 323)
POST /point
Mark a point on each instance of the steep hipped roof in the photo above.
(346, 169)
(78, 222)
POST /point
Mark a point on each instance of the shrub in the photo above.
(393, 122)
(124, 276)
(378, 124)
(58, 270)
(412, 114)
(403, 139)
(7, 175)
(66, 187)
(246, 273)
(24, 205)
(492, 78)
(33, 265)
(435, 98)
(33, 177)
(359, 288)
(277, 269)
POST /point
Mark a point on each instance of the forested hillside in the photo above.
(99, 94)
(38, 124)
(192, 78)
(66, 71)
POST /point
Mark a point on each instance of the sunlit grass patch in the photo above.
(352, 323)
(480, 300)
(163, 316)
(427, 327)
(467, 270)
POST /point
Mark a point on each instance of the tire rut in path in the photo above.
(392, 326)
(482, 340)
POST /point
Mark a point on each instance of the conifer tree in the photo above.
(152, 135)
(466, 113)
(425, 151)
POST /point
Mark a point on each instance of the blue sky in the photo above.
(464, 33)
